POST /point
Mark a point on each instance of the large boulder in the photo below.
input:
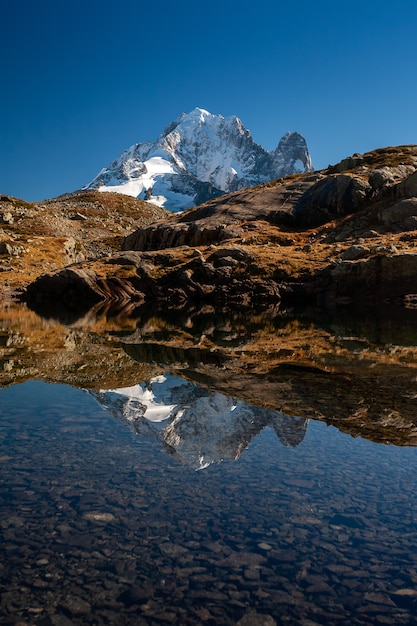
(334, 196)
(402, 215)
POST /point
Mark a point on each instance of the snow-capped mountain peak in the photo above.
(199, 156)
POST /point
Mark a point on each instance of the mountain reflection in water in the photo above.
(355, 370)
(100, 526)
(100, 523)
(200, 426)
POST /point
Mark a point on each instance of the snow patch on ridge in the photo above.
(150, 401)
(141, 179)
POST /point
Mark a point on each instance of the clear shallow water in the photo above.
(99, 525)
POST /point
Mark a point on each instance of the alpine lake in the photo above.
(193, 468)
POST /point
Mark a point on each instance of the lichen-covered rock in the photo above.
(408, 187)
(73, 250)
(402, 214)
(6, 217)
(384, 176)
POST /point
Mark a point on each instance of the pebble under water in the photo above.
(100, 525)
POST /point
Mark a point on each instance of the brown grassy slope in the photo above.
(44, 236)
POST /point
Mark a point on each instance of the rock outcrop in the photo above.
(339, 235)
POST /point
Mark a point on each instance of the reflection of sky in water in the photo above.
(96, 514)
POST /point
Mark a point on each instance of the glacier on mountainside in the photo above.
(197, 157)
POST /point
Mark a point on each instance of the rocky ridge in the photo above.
(346, 233)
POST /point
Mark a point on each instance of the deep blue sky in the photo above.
(82, 80)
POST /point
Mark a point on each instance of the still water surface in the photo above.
(103, 522)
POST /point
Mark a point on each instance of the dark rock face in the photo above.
(65, 294)
(334, 196)
(377, 279)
